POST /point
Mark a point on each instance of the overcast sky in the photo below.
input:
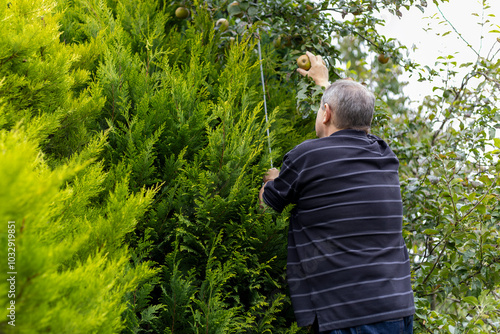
(420, 29)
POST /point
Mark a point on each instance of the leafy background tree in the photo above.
(134, 144)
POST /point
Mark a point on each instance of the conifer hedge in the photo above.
(132, 148)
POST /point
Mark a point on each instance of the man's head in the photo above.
(345, 105)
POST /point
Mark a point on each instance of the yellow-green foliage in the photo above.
(72, 267)
(44, 79)
(99, 100)
(32, 61)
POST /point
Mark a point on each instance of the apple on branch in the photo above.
(304, 63)
(222, 24)
(383, 59)
(182, 13)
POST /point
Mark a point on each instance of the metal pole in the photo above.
(265, 103)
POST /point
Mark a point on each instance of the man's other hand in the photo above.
(271, 174)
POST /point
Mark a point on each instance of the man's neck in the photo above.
(331, 130)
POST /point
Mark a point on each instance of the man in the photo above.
(348, 268)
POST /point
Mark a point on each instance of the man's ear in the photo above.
(327, 115)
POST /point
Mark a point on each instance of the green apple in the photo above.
(222, 24)
(182, 13)
(383, 59)
(303, 62)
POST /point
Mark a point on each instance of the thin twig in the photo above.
(447, 118)
(459, 34)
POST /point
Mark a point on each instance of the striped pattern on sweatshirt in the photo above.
(347, 261)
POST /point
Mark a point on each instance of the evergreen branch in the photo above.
(8, 59)
(174, 311)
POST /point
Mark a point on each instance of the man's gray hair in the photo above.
(352, 103)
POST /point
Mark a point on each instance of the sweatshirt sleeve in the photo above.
(281, 191)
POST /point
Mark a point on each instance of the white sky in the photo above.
(411, 30)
